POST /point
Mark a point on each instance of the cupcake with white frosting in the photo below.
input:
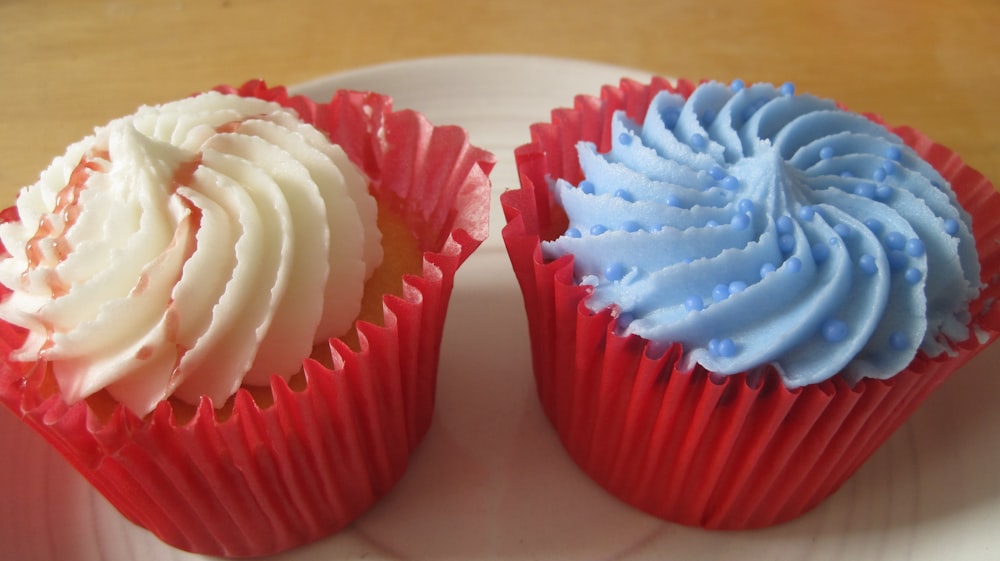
(736, 293)
(236, 296)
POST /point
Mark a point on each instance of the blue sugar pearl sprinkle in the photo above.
(745, 205)
(788, 88)
(915, 247)
(737, 85)
(720, 292)
(736, 287)
(826, 152)
(951, 226)
(625, 139)
(712, 223)
(794, 264)
(573, 233)
(615, 272)
(631, 226)
(598, 229)
(587, 187)
(834, 330)
(716, 172)
(713, 346)
(807, 213)
(846, 174)
(725, 348)
(740, 222)
(895, 240)
(784, 224)
(868, 264)
(694, 303)
(866, 190)
(843, 230)
(893, 153)
(875, 225)
(879, 174)
(899, 341)
(889, 167)
(883, 193)
(698, 141)
(708, 116)
(729, 183)
(766, 269)
(624, 195)
(913, 275)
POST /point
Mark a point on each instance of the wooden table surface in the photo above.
(68, 65)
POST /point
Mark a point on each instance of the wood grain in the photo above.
(70, 65)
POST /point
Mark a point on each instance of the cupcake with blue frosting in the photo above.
(736, 293)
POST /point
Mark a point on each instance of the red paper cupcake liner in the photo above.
(264, 480)
(693, 447)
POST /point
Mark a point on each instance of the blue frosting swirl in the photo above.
(756, 226)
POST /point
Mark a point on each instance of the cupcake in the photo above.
(735, 294)
(226, 311)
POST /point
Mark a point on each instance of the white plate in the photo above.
(491, 480)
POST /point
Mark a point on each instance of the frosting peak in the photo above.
(183, 251)
(756, 226)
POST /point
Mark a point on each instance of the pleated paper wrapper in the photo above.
(694, 447)
(268, 478)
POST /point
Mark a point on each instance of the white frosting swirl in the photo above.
(184, 250)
